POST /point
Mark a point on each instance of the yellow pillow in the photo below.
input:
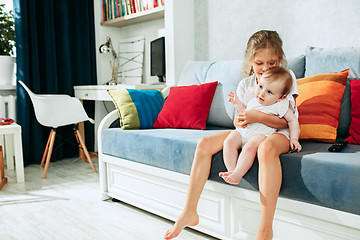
(138, 109)
(319, 103)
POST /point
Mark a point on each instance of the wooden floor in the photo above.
(67, 205)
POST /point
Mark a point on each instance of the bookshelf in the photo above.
(134, 18)
(168, 19)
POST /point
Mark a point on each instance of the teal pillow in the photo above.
(138, 109)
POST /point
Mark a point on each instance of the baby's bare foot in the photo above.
(185, 220)
(225, 174)
(232, 179)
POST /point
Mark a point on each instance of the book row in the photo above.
(118, 8)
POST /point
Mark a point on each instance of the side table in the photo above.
(13, 142)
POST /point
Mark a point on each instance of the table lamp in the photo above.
(108, 47)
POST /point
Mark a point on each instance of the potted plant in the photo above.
(7, 45)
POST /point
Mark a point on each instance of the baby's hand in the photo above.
(233, 98)
(295, 145)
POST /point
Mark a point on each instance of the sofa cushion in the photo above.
(330, 60)
(187, 107)
(319, 103)
(171, 149)
(323, 60)
(297, 65)
(194, 72)
(228, 74)
(313, 175)
(197, 72)
(138, 109)
(354, 132)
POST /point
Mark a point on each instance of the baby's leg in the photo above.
(246, 159)
(232, 144)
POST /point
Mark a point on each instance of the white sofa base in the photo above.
(225, 211)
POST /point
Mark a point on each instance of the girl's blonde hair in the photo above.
(260, 40)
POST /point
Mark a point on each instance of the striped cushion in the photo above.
(319, 103)
(138, 109)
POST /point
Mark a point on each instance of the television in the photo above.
(157, 58)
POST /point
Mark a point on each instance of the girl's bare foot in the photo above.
(264, 235)
(185, 220)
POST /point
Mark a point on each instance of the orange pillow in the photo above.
(319, 103)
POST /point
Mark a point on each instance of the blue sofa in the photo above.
(319, 197)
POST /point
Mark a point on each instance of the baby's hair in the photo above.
(279, 74)
(261, 40)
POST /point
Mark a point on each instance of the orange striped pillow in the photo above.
(319, 103)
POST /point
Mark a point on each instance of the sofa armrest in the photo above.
(104, 124)
(165, 91)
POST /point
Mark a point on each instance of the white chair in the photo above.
(55, 111)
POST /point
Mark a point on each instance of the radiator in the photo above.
(7, 107)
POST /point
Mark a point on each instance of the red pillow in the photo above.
(187, 107)
(354, 131)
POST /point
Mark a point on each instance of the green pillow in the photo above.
(138, 109)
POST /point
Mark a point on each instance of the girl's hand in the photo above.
(238, 122)
(248, 117)
(295, 145)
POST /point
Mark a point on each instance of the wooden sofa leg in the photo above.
(51, 145)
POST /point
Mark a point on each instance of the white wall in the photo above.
(321, 23)
(180, 37)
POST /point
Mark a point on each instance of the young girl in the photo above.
(263, 51)
(269, 96)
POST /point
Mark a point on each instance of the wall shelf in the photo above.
(144, 16)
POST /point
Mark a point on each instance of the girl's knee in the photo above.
(266, 147)
(203, 145)
(203, 142)
(267, 151)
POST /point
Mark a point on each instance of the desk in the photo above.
(99, 93)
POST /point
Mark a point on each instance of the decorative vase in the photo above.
(7, 71)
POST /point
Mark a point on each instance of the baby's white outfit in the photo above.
(279, 108)
(245, 92)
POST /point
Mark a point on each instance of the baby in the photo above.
(268, 97)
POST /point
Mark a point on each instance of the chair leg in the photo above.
(81, 151)
(77, 135)
(46, 149)
(51, 145)
(3, 178)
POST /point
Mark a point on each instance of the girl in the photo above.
(263, 51)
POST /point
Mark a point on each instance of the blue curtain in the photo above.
(55, 44)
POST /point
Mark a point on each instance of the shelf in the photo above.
(148, 15)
